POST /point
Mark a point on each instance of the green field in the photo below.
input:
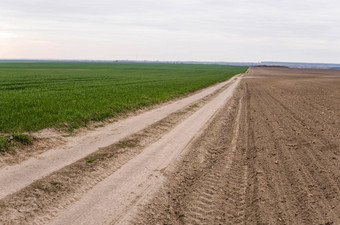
(39, 95)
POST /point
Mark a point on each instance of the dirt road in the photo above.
(141, 175)
(15, 177)
(263, 150)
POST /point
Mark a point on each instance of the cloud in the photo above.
(244, 30)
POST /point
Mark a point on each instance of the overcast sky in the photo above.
(203, 30)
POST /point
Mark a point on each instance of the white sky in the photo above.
(204, 30)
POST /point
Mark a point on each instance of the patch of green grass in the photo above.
(9, 141)
(127, 144)
(96, 156)
(4, 145)
(22, 138)
(34, 96)
(90, 160)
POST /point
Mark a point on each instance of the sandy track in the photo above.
(15, 177)
(141, 175)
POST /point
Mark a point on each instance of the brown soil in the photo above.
(284, 169)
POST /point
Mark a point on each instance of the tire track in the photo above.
(209, 186)
(226, 178)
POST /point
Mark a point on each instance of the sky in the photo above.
(204, 30)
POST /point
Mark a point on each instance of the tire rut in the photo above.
(209, 186)
(225, 178)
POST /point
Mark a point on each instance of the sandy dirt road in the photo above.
(15, 177)
(264, 150)
(141, 175)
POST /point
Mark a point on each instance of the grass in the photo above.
(90, 160)
(34, 96)
(16, 139)
(22, 138)
(127, 143)
(4, 144)
(95, 156)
